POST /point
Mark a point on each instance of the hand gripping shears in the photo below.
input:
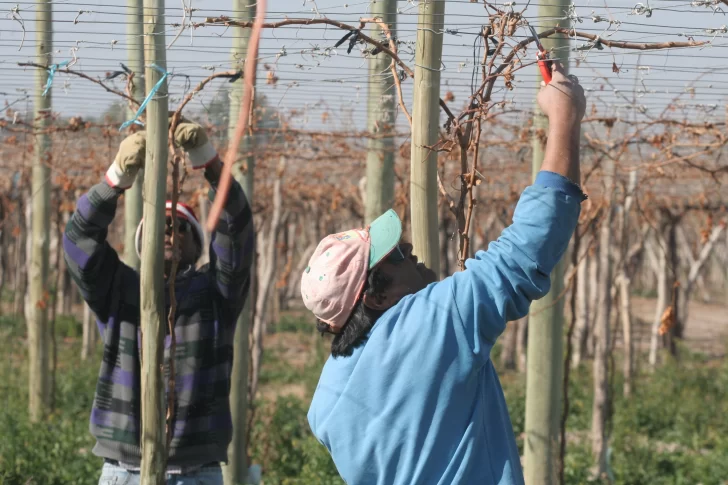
(544, 63)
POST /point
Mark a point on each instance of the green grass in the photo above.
(58, 450)
(672, 431)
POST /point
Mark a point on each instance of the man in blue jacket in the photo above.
(410, 395)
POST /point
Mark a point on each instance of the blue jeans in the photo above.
(114, 475)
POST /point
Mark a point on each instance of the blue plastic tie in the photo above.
(151, 94)
(51, 73)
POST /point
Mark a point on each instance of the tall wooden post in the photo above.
(425, 133)
(544, 373)
(380, 119)
(236, 471)
(37, 312)
(133, 196)
(153, 318)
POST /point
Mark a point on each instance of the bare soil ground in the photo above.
(706, 330)
(295, 349)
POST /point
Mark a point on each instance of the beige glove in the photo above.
(193, 139)
(129, 159)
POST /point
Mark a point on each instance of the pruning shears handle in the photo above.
(544, 63)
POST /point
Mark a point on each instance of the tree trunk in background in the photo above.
(623, 282)
(4, 247)
(509, 344)
(236, 470)
(594, 268)
(153, 315)
(135, 59)
(444, 243)
(288, 271)
(676, 332)
(267, 273)
(600, 411)
(695, 269)
(293, 290)
(522, 344)
(29, 253)
(307, 243)
(58, 262)
(381, 111)
(425, 133)
(64, 280)
(662, 297)
(38, 288)
(581, 329)
(625, 308)
(21, 253)
(686, 253)
(87, 340)
(72, 296)
(75, 297)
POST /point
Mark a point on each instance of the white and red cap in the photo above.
(333, 282)
(183, 212)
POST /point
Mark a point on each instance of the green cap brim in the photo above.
(385, 233)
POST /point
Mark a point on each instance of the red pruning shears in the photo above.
(544, 64)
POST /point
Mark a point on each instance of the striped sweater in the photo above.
(208, 303)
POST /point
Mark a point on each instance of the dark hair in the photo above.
(361, 320)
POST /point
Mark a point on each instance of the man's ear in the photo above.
(376, 302)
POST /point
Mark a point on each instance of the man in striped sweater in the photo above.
(209, 300)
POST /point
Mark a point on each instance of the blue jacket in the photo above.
(420, 402)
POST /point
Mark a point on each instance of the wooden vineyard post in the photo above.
(37, 307)
(544, 372)
(380, 119)
(153, 318)
(135, 56)
(236, 471)
(425, 133)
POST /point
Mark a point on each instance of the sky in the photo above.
(313, 83)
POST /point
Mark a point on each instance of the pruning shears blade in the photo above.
(544, 64)
(535, 37)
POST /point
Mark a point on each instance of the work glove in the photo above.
(129, 159)
(193, 140)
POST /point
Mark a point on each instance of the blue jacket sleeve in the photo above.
(498, 285)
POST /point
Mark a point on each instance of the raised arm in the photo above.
(232, 245)
(233, 242)
(499, 284)
(91, 261)
(563, 103)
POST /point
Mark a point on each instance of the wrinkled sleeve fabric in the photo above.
(232, 248)
(91, 261)
(499, 284)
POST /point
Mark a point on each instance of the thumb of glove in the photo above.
(129, 159)
(190, 136)
(132, 153)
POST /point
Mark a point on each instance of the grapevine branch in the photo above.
(85, 76)
(226, 21)
(629, 45)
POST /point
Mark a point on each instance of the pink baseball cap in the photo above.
(337, 271)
